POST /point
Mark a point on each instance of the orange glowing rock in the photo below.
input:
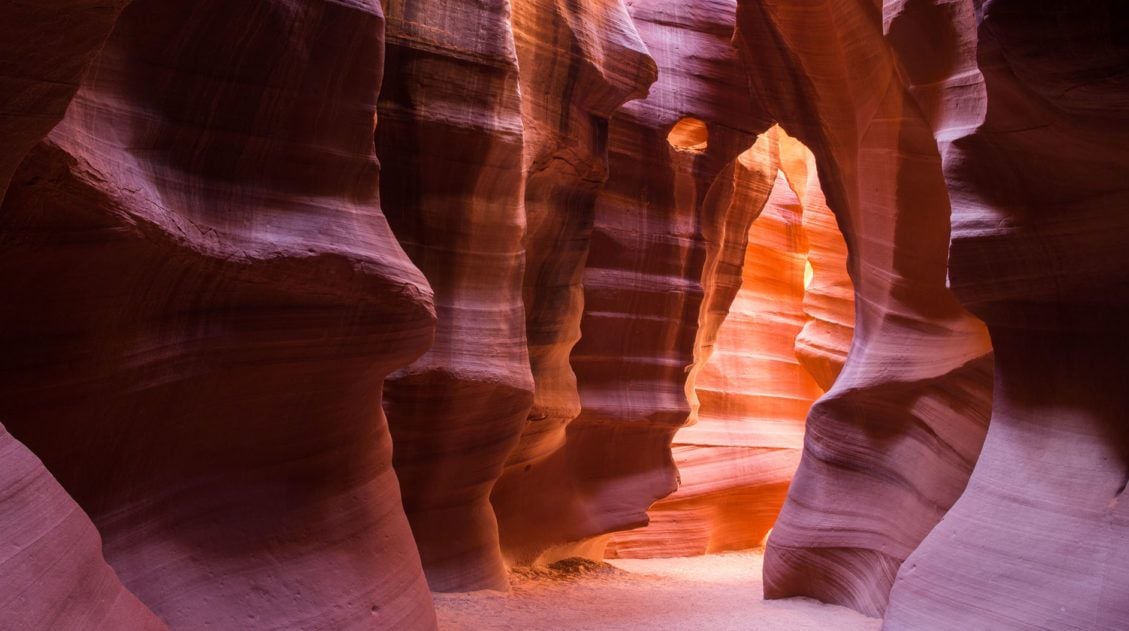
(753, 390)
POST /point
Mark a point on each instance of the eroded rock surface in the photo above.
(52, 574)
(1036, 165)
(901, 428)
(201, 302)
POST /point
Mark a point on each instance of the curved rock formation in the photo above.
(642, 292)
(201, 302)
(43, 56)
(1033, 121)
(902, 426)
(52, 574)
(754, 390)
(451, 132)
(579, 62)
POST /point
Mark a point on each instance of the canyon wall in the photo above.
(201, 300)
(577, 479)
(451, 131)
(890, 447)
(1031, 119)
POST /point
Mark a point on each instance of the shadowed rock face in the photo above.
(52, 575)
(201, 301)
(1037, 169)
(451, 135)
(45, 47)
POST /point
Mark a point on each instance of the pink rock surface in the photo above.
(1032, 118)
(52, 574)
(451, 138)
(203, 301)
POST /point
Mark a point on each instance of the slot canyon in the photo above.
(564, 314)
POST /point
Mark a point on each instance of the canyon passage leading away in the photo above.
(336, 314)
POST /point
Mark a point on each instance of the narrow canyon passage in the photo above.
(775, 334)
(409, 315)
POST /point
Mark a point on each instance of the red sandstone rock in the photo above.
(902, 426)
(45, 47)
(579, 63)
(451, 136)
(52, 574)
(642, 291)
(201, 302)
(1031, 113)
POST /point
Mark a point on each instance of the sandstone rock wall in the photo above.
(450, 133)
(52, 575)
(900, 430)
(201, 300)
(641, 291)
(1031, 116)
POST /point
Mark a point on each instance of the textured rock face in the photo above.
(754, 390)
(452, 191)
(1037, 168)
(201, 302)
(902, 426)
(579, 63)
(52, 575)
(642, 292)
(42, 58)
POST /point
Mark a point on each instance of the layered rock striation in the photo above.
(206, 315)
(451, 136)
(901, 428)
(201, 302)
(642, 290)
(1031, 120)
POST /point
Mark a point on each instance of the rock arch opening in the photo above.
(780, 343)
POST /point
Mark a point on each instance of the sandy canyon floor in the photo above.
(710, 593)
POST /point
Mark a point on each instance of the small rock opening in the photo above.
(689, 134)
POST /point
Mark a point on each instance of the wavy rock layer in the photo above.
(201, 302)
(451, 133)
(579, 62)
(899, 431)
(52, 575)
(45, 47)
(1036, 159)
(642, 293)
(754, 391)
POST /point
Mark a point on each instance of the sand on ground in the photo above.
(716, 592)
